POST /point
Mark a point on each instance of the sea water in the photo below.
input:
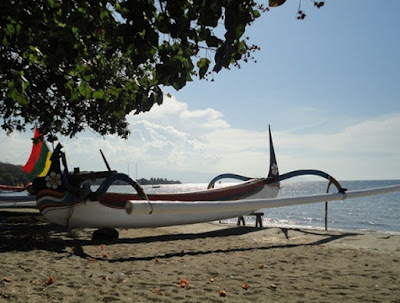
(379, 213)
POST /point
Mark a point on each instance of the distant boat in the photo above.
(12, 188)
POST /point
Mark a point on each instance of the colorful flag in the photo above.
(39, 162)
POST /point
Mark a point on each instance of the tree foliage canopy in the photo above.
(67, 65)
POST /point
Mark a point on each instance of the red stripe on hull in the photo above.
(241, 191)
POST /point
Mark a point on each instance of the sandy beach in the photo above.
(209, 262)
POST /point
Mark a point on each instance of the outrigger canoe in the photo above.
(66, 198)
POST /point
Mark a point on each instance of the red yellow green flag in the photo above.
(39, 162)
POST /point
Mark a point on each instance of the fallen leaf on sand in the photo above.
(6, 279)
(261, 266)
(50, 280)
(183, 283)
(245, 286)
(158, 291)
(222, 293)
(105, 256)
(273, 286)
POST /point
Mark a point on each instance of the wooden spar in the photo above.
(326, 207)
(326, 215)
(105, 160)
(180, 207)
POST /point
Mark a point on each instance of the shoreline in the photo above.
(194, 263)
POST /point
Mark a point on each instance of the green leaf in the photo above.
(74, 98)
(85, 90)
(98, 94)
(4, 42)
(14, 94)
(203, 65)
(9, 29)
(256, 13)
(104, 14)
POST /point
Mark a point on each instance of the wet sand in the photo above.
(209, 262)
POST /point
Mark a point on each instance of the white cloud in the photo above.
(365, 150)
(373, 135)
(15, 148)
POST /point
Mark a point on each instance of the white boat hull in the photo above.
(96, 214)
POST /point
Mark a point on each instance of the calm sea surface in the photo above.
(380, 213)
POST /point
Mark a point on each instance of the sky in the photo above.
(328, 85)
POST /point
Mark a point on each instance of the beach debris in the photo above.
(183, 283)
(50, 280)
(222, 293)
(159, 292)
(105, 256)
(245, 286)
(182, 253)
(101, 247)
(273, 286)
(5, 279)
(212, 280)
(261, 266)
(156, 260)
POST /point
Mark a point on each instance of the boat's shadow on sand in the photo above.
(21, 231)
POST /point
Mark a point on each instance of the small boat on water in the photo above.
(10, 188)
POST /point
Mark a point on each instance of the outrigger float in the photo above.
(66, 198)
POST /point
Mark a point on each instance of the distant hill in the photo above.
(155, 181)
(11, 174)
